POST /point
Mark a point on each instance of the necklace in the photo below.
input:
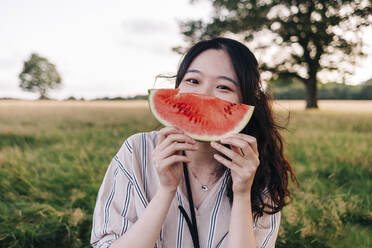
(204, 187)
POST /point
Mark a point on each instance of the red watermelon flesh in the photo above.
(200, 116)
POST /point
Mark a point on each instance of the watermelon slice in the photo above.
(200, 116)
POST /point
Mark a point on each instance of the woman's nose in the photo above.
(207, 89)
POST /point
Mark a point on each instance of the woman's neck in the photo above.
(202, 160)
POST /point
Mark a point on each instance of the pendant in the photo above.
(204, 188)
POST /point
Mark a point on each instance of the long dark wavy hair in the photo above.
(272, 175)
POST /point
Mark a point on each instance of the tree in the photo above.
(312, 36)
(39, 75)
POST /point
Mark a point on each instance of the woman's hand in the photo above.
(244, 160)
(167, 156)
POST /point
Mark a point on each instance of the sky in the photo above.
(101, 48)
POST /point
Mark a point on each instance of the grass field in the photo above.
(53, 156)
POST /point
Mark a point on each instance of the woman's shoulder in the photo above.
(136, 148)
(141, 137)
(140, 141)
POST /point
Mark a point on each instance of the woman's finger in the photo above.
(164, 132)
(252, 141)
(174, 147)
(171, 138)
(229, 164)
(234, 156)
(172, 160)
(239, 145)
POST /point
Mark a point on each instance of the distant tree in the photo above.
(368, 82)
(71, 98)
(312, 36)
(39, 75)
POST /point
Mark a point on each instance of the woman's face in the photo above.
(212, 73)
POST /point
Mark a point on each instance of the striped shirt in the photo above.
(130, 183)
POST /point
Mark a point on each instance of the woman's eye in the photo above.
(223, 87)
(193, 81)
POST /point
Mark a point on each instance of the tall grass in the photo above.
(53, 157)
(331, 152)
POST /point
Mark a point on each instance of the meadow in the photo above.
(53, 156)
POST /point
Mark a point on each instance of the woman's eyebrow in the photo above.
(228, 79)
(194, 70)
(220, 77)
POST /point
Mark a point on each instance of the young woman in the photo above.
(164, 189)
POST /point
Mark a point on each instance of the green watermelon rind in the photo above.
(208, 138)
